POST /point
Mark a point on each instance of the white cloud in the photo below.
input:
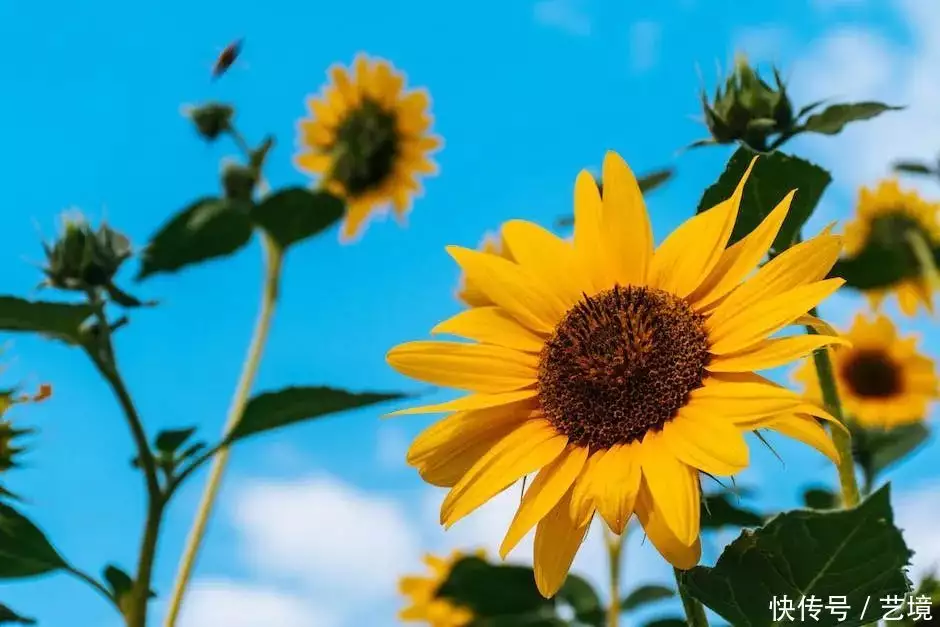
(645, 40)
(567, 15)
(322, 531)
(220, 602)
(916, 513)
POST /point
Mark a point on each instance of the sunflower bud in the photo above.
(747, 109)
(83, 258)
(238, 181)
(211, 120)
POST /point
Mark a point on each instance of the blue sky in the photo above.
(525, 94)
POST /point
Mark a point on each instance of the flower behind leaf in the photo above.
(368, 140)
(9, 448)
(617, 372)
(883, 217)
(424, 606)
(883, 380)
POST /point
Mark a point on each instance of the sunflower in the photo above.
(883, 381)
(369, 141)
(492, 244)
(421, 592)
(617, 373)
(883, 216)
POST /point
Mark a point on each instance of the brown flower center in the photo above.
(871, 373)
(367, 146)
(620, 364)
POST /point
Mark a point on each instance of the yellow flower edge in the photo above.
(883, 380)
(617, 372)
(368, 140)
(420, 591)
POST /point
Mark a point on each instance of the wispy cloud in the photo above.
(568, 15)
(645, 40)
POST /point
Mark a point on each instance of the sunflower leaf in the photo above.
(206, 230)
(292, 215)
(273, 410)
(718, 510)
(858, 554)
(876, 450)
(62, 321)
(644, 595)
(584, 600)
(493, 590)
(820, 498)
(833, 119)
(24, 549)
(773, 177)
(913, 167)
(667, 622)
(9, 617)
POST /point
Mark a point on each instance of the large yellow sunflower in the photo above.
(617, 373)
(883, 215)
(883, 380)
(492, 244)
(369, 140)
(421, 593)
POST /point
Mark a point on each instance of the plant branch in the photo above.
(615, 559)
(91, 581)
(694, 611)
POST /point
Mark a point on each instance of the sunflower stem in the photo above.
(928, 266)
(841, 438)
(694, 611)
(615, 559)
(274, 259)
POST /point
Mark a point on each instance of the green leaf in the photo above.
(61, 321)
(644, 595)
(24, 549)
(9, 617)
(720, 510)
(833, 119)
(273, 410)
(583, 599)
(856, 553)
(820, 498)
(119, 582)
(294, 214)
(667, 622)
(876, 450)
(170, 440)
(773, 177)
(913, 167)
(493, 590)
(208, 229)
(535, 619)
(876, 267)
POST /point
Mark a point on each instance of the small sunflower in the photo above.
(883, 380)
(368, 140)
(883, 216)
(617, 373)
(421, 593)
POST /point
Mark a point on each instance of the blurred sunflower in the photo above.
(421, 593)
(368, 140)
(617, 373)
(883, 216)
(9, 433)
(883, 380)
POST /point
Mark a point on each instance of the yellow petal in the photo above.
(808, 431)
(527, 449)
(473, 401)
(545, 255)
(680, 555)
(582, 494)
(476, 367)
(491, 325)
(734, 330)
(707, 442)
(511, 287)
(772, 353)
(625, 224)
(673, 487)
(690, 252)
(461, 430)
(616, 483)
(739, 260)
(817, 324)
(551, 484)
(742, 397)
(557, 540)
(588, 240)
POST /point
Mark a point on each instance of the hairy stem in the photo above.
(274, 259)
(694, 611)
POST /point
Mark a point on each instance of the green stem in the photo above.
(91, 581)
(694, 611)
(841, 438)
(615, 559)
(274, 258)
(928, 266)
(101, 351)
